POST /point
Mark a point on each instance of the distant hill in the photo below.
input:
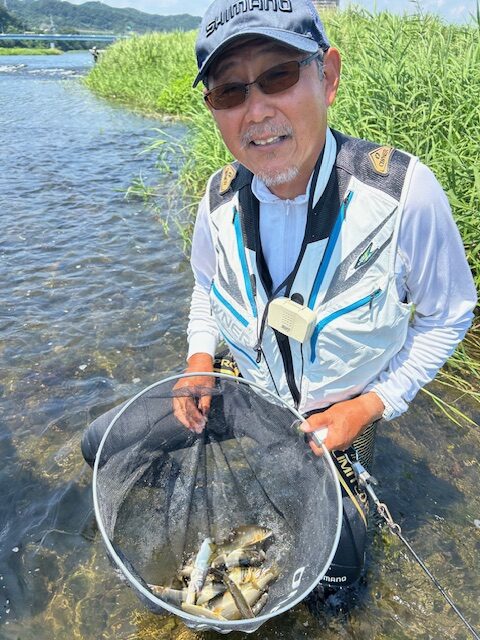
(8, 22)
(41, 15)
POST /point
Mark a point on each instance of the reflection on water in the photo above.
(93, 308)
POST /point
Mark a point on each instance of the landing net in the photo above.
(160, 491)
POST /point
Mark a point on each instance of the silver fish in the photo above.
(236, 593)
(210, 591)
(245, 536)
(239, 558)
(200, 570)
(195, 610)
(225, 605)
(259, 605)
(172, 596)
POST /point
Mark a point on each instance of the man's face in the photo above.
(278, 136)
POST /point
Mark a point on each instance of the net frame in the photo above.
(200, 623)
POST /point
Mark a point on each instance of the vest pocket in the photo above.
(366, 301)
(358, 341)
(236, 326)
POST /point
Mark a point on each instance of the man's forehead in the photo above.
(237, 49)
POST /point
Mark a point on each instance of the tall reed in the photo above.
(144, 72)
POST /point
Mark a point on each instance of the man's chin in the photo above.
(277, 178)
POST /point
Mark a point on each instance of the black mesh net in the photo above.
(161, 491)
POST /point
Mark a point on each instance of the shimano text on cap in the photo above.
(294, 23)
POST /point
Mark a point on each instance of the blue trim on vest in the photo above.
(243, 261)
(332, 241)
(235, 346)
(225, 302)
(333, 316)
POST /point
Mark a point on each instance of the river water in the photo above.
(93, 308)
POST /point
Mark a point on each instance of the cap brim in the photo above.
(294, 40)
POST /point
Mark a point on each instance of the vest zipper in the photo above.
(337, 314)
(247, 277)
(283, 341)
(332, 241)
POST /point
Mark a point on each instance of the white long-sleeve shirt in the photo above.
(431, 272)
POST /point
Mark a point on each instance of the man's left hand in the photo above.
(345, 421)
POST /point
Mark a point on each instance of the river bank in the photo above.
(28, 51)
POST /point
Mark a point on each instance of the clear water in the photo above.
(93, 308)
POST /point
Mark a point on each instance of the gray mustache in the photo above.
(264, 131)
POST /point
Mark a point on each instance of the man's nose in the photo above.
(259, 105)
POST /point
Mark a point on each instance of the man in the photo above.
(353, 241)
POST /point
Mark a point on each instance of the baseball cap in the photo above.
(295, 23)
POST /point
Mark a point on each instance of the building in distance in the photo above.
(326, 4)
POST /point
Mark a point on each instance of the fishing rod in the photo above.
(365, 481)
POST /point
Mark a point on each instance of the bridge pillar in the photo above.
(52, 45)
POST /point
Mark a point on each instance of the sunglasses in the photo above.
(278, 78)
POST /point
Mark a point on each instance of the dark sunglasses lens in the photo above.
(279, 78)
(227, 96)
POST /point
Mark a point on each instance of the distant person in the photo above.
(95, 53)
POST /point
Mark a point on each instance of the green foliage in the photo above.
(142, 70)
(97, 16)
(177, 97)
(413, 82)
(8, 22)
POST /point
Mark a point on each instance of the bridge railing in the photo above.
(65, 37)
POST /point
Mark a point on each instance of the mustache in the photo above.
(264, 131)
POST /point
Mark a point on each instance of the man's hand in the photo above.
(190, 411)
(345, 421)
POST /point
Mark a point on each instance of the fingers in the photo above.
(316, 432)
(204, 404)
(317, 450)
(195, 419)
(191, 409)
(316, 439)
(186, 412)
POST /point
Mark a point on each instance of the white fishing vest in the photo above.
(345, 274)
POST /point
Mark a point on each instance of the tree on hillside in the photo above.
(96, 16)
(9, 23)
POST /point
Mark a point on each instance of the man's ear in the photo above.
(331, 68)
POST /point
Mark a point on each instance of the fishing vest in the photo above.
(345, 273)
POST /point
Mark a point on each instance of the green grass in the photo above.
(25, 51)
(411, 82)
(147, 72)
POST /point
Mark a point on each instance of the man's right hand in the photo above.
(190, 409)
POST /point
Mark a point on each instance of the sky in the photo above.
(457, 11)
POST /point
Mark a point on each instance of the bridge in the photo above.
(59, 37)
